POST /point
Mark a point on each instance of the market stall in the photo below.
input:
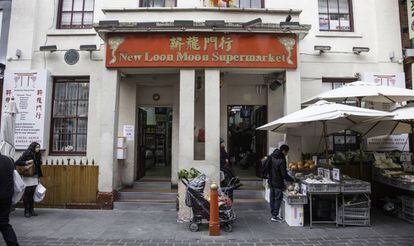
(321, 119)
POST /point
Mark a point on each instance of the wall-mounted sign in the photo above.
(410, 12)
(388, 143)
(29, 89)
(71, 57)
(201, 50)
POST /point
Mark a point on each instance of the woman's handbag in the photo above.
(19, 187)
(26, 170)
(40, 193)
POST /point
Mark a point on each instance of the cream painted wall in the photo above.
(33, 23)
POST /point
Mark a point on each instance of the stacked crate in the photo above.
(407, 209)
(355, 213)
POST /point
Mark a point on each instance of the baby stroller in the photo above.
(201, 207)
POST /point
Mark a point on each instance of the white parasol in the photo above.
(365, 91)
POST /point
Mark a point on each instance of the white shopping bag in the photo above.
(19, 187)
(40, 193)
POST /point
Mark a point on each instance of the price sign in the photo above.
(327, 173)
(336, 174)
(320, 172)
(315, 160)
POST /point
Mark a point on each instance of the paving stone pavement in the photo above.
(97, 227)
(328, 241)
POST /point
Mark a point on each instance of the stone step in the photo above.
(248, 194)
(141, 205)
(152, 185)
(252, 182)
(250, 204)
(148, 196)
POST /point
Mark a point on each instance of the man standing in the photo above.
(277, 175)
(6, 194)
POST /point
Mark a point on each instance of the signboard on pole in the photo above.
(29, 88)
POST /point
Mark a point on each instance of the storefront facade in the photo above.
(144, 57)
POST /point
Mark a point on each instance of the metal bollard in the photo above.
(214, 224)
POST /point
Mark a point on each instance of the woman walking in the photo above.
(31, 156)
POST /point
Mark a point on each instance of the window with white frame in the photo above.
(75, 14)
(335, 15)
(158, 3)
(237, 3)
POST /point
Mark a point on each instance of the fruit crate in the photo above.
(408, 209)
(408, 201)
(355, 186)
(353, 222)
(408, 217)
(295, 199)
(354, 213)
(316, 188)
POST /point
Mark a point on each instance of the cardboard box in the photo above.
(293, 214)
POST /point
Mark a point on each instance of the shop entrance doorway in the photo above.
(246, 146)
(154, 142)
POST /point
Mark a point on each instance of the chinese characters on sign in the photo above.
(202, 50)
(29, 89)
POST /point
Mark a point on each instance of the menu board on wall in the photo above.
(29, 89)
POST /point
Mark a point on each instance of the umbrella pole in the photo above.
(325, 133)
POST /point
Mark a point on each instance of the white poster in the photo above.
(129, 132)
(410, 12)
(388, 143)
(387, 79)
(29, 89)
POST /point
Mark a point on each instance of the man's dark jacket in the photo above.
(277, 170)
(6, 177)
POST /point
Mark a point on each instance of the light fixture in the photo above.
(51, 48)
(146, 24)
(108, 23)
(252, 22)
(18, 53)
(88, 47)
(359, 50)
(322, 48)
(215, 23)
(183, 23)
(275, 84)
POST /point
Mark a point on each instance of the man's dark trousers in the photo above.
(276, 197)
(5, 228)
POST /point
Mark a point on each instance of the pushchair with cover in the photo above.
(200, 206)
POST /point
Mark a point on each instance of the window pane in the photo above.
(256, 3)
(334, 22)
(81, 143)
(59, 108)
(323, 22)
(83, 91)
(66, 19)
(67, 5)
(77, 5)
(88, 19)
(159, 3)
(72, 91)
(344, 6)
(60, 89)
(333, 6)
(71, 107)
(345, 22)
(77, 19)
(169, 3)
(323, 6)
(88, 5)
(244, 4)
(82, 108)
(82, 126)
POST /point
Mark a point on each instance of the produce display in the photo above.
(387, 163)
(293, 189)
(302, 166)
